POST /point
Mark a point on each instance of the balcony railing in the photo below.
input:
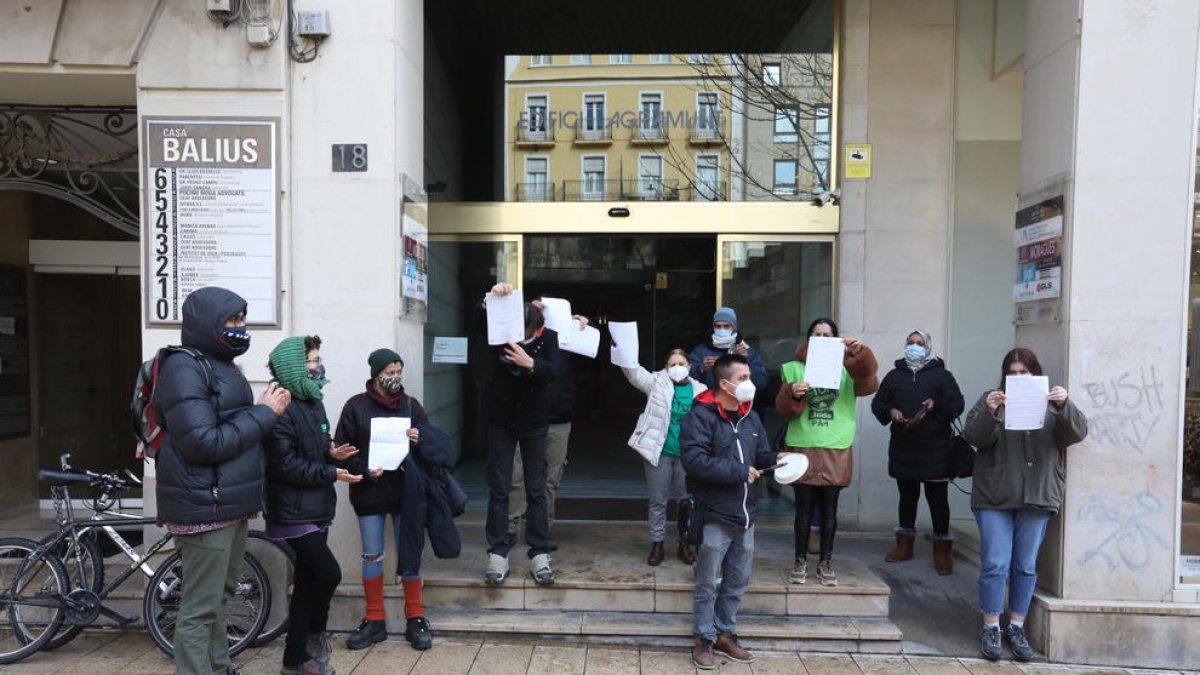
(593, 136)
(651, 134)
(709, 192)
(535, 192)
(705, 135)
(646, 189)
(536, 135)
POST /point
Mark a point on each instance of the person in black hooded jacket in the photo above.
(209, 469)
(920, 400)
(301, 500)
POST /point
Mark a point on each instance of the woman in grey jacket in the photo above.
(1018, 487)
(669, 394)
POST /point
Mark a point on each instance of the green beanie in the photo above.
(382, 358)
(291, 371)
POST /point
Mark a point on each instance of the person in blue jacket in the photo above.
(725, 339)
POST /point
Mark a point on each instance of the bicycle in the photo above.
(42, 595)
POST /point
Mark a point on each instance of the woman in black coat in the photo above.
(301, 500)
(920, 400)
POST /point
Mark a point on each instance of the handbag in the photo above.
(961, 452)
(689, 516)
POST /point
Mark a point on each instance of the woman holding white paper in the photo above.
(381, 494)
(821, 426)
(920, 400)
(1018, 486)
(669, 394)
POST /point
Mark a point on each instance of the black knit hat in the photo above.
(381, 358)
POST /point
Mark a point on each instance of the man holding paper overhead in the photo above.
(1018, 487)
(520, 396)
(370, 421)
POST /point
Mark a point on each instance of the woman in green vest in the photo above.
(821, 425)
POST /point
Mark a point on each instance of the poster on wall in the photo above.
(414, 252)
(1038, 237)
(211, 214)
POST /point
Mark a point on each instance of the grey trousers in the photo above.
(556, 460)
(212, 565)
(666, 482)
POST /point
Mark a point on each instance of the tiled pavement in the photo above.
(130, 652)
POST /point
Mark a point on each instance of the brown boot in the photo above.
(686, 553)
(903, 550)
(702, 654)
(727, 645)
(943, 560)
(656, 554)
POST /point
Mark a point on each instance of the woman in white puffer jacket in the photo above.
(669, 394)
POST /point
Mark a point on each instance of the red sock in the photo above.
(373, 590)
(412, 598)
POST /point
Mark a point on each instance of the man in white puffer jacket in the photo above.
(669, 394)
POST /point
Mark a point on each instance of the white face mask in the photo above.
(743, 391)
(723, 338)
(677, 373)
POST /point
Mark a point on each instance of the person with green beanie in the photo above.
(381, 494)
(301, 500)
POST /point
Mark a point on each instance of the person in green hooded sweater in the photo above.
(301, 500)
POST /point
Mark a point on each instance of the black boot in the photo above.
(368, 633)
(418, 634)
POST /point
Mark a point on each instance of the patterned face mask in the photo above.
(390, 384)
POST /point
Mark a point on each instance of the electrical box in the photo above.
(259, 36)
(219, 5)
(313, 24)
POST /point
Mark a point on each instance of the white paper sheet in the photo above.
(505, 317)
(389, 442)
(558, 319)
(624, 352)
(823, 366)
(585, 342)
(1025, 402)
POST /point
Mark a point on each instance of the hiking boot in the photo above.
(686, 553)
(318, 647)
(702, 654)
(989, 643)
(539, 569)
(1019, 643)
(727, 645)
(418, 634)
(799, 573)
(309, 667)
(369, 632)
(656, 554)
(825, 573)
(904, 548)
(497, 570)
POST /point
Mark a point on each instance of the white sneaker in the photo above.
(825, 574)
(799, 573)
(497, 569)
(539, 569)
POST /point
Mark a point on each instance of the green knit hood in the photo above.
(287, 360)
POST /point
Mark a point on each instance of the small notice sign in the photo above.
(858, 160)
(449, 350)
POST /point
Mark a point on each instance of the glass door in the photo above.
(461, 269)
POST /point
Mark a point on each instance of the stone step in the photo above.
(756, 631)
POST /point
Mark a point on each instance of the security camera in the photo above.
(825, 197)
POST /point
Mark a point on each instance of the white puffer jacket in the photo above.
(651, 431)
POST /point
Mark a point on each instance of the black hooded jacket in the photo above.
(300, 472)
(210, 467)
(922, 452)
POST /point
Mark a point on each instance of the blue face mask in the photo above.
(914, 352)
(722, 332)
(317, 373)
(236, 338)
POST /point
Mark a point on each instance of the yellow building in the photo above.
(617, 127)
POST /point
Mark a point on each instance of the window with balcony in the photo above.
(593, 116)
(708, 178)
(593, 178)
(536, 108)
(708, 115)
(651, 118)
(650, 176)
(785, 177)
(537, 179)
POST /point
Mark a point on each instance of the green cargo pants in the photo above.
(212, 565)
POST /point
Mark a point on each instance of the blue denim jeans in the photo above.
(371, 530)
(729, 551)
(1009, 540)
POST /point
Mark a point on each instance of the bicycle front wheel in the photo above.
(31, 588)
(245, 615)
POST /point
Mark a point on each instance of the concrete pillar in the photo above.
(1109, 115)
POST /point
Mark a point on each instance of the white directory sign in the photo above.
(449, 350)
(212, 213)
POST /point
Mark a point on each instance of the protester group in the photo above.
(227, 458)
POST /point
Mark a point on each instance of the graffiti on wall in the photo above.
(1124, 410)
(1127, 537)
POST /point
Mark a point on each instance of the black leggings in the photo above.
(936, 495)
(825, 498)
(317, 577)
